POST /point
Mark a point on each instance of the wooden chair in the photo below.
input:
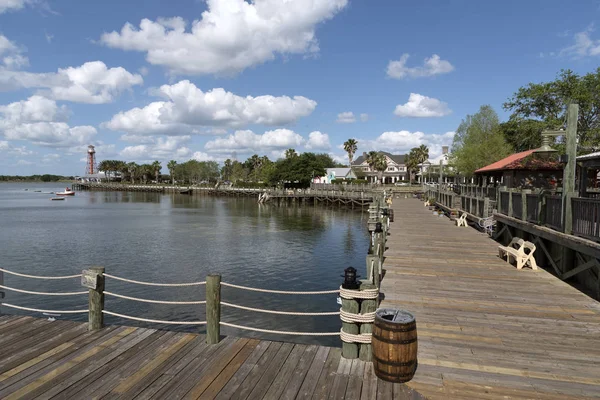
(462, 220)
(515, 244)
(525, 257)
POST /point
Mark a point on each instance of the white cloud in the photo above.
(11, 55)
(5, 146)
(187, 108)
(584, 45)
(51, 158)
(24, 162)
(92, 82)
(41, 122)
(364, 117)
(231, 36)
(318, 141)
(420, 106)
(170, 147)
(10, 5)
(400, 142)
(202, 156)
(251, 142)
(433, 65)
(346, 117)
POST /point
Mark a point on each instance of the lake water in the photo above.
(172, 238)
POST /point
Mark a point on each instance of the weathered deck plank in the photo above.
(486, 330)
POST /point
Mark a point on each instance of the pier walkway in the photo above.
(62, 360)
(487, 330)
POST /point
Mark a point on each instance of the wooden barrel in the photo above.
(394, 345)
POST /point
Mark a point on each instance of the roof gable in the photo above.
(517, 161)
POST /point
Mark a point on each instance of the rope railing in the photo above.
(261, 310)
(155, 284)
(155, 321)
(39, 276)
(43, 293)
(45, 311)
(154, 301)
(249, 328)
(314, 292)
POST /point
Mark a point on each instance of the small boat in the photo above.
(57, 198)
(67, 192)
(37, 191)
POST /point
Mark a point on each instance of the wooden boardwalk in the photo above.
(487, 330)
(62, 360)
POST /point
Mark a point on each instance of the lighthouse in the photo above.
(91, 168)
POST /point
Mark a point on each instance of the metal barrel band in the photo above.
(394, 363)
(406, 328)
(386, 340)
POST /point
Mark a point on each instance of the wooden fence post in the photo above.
(366, 306)
(373, 267)
(93, 279)
(510, 201)
(213, 308)
(350, 350)
(524, 204)
(486, 207)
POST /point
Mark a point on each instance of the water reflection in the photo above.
(180, 238)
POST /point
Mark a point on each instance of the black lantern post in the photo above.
(385, 212)
(350, 279)
(378, 227)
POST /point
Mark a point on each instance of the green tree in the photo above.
(377, 162)
(171, 165)
(290, 153)
(547, 103)
(133, 169)
(227, 170)
(350, 146)
(156, 166)
(412, 163)
(523, 134)
(478, 142)
(380, 166)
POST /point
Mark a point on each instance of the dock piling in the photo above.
(213, 308)
(93, 279)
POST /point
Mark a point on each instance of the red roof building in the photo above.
(524, 170)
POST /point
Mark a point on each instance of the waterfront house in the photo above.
(395, 172)
(336, 174)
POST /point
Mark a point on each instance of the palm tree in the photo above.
(156, 167)
(171, 166)
(290, 153)
(132, 168)
(103, 166)
(380, 166)
(121, 166)
(371, 159)
(411, 163)
(421, 155)
(350, 146)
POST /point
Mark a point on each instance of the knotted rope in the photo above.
(349, 317)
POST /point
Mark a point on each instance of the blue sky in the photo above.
(217, 79)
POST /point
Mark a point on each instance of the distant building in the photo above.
(523, 170)
(430, 169)
(395, 172)
(336, 174)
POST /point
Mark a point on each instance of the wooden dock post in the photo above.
(213, 308)
(350, 350)
(93, 279)
(373, 267)
(366, 306)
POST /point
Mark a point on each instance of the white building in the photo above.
(395, 172)
(335, 174)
